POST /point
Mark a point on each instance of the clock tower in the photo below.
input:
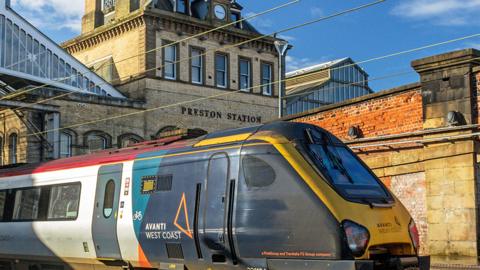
(161, 52)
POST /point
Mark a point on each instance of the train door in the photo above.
(104, 225)
(215, 215)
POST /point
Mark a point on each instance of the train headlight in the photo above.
(412, 229)
(357, 237)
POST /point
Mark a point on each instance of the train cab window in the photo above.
(108, 199)
(26, 204)
(257, 172)
(343, 169)
(64, 201)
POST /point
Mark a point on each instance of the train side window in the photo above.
(258, 173)
(3, 199)
(64, 201)
(108, 199)
(26, 206)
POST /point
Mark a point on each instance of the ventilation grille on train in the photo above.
(174, 251)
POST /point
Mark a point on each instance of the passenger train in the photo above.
(276, 196)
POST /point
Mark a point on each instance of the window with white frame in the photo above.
(221, 70)
(66, 145)
(267, 78)
(197, 66)
(170, 62)
(245, 74)
(96, 142)
(12, 148)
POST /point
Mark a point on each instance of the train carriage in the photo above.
(276, 196)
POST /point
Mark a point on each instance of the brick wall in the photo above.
(410, 189)
(391, 112)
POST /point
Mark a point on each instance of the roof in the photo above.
(307, 86)
(289, 130)
(42, 76)
(317, 67)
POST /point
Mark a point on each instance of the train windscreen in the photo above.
(343, 169)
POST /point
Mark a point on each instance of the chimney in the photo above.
(93, 17)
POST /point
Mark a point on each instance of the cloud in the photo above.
(261, 23)
(444, 12)
(52, 14)
(316, 12)
(294, 63)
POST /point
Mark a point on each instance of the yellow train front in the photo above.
(305, 201)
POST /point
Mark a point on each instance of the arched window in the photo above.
(66, 145)
(200, 9)
(12, 148)
(97, 140)
(164, 130)
(128, 139)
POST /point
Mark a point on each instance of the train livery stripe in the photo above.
(142, 259)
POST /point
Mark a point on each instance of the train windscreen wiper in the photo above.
(337, 162)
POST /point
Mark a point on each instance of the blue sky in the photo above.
(389, 27)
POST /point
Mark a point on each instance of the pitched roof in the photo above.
(316, 67)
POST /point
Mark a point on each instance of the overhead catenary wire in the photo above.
(357, 83)
(217, 95)
(233, 45)
(331, 69)
(154, 49)
(225, 94)
(310, 22)
(388, 76)
(237, 91)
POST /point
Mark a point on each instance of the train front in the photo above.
(375, 230)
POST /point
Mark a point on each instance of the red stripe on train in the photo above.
(99, 158)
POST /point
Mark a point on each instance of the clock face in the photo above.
(220, 12)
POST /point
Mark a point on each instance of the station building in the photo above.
(422, 140)
(132, 59)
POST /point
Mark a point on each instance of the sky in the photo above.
(389, 27)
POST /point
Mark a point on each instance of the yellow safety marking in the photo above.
(199, 151)
(222, 140)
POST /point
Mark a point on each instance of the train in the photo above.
(276, 196)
